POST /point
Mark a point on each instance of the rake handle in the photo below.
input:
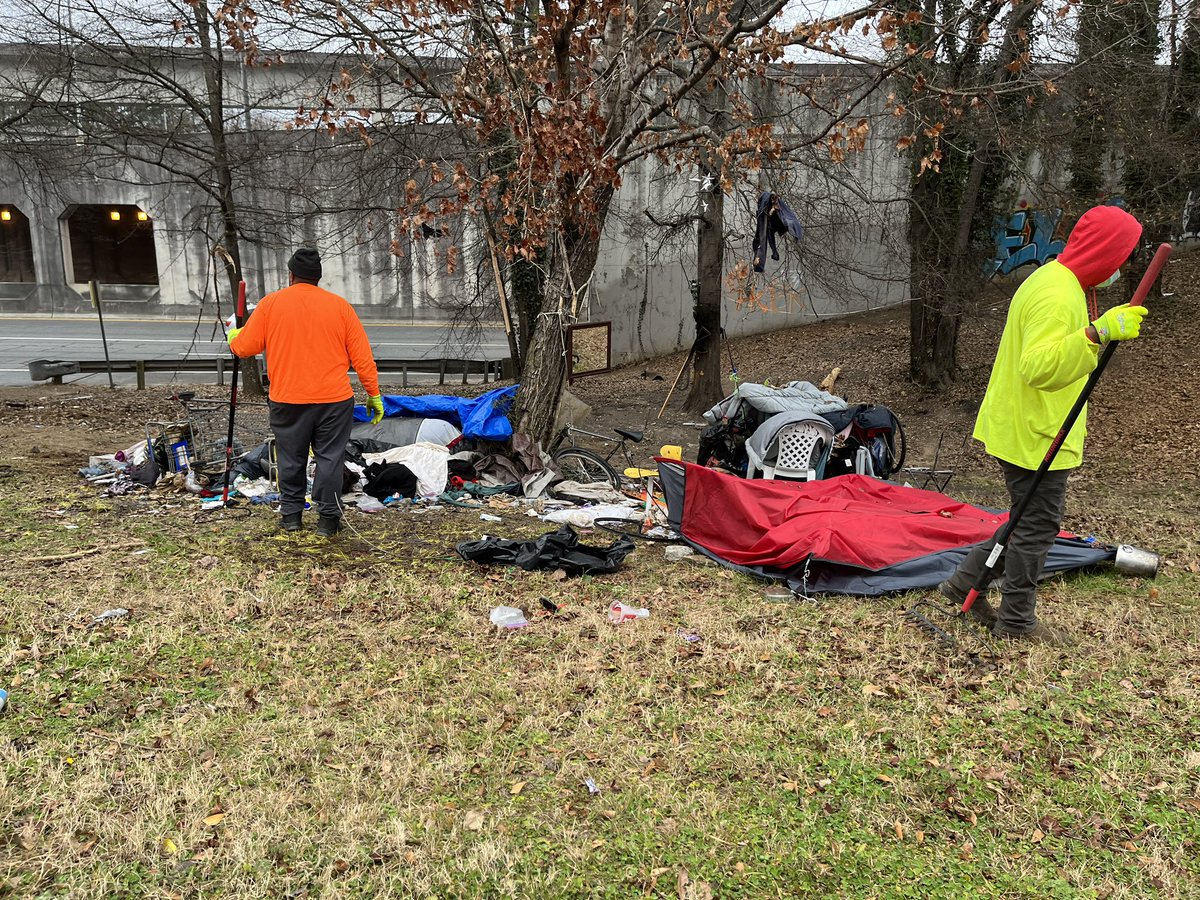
(239, 318)
(1139, 297)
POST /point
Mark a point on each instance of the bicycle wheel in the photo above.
(636, 528)
(585, 467)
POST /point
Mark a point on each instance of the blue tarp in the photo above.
(484, 417)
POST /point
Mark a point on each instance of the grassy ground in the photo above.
(276, 718)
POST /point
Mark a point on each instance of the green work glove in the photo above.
(1121, 323)
(232, 333)
(375, 408)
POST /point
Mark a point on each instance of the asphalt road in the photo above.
(25, 338)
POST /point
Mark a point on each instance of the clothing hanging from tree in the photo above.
(774, 218)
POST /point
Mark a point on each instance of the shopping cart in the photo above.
(208, 425)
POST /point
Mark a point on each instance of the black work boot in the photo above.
(290, 521)
(328, 526)
(1039, 634)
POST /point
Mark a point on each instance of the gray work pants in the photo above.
(323, 426)
(1023, 557)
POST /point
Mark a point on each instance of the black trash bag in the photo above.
(555, 550)
(386, 479)
(146, 473)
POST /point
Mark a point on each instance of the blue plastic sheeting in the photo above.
(484, 417)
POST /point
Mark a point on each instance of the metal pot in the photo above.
(1136, 561)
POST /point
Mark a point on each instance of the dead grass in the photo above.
(360, 730)
(284, 717)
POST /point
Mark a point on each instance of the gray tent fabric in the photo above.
(795, 396)
(399, 431)
(759, 443)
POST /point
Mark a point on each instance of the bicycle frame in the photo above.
(568, 435)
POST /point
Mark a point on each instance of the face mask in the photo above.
(1110, 280)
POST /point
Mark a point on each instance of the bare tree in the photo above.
(552, 101)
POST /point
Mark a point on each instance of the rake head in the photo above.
(950, 628)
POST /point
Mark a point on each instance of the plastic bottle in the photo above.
(508, 617)
(619, 612)
(3, 699)
(369, 504)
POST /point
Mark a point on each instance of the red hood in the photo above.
(1100, 243)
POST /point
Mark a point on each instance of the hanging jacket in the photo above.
(1045, 357)
(774, 218)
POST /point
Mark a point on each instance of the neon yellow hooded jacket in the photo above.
(1045, 357)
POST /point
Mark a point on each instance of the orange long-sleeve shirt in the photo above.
(312, 338)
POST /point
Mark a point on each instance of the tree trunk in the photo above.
(544, 362)
(710, 271)
(571, 257)
(214, 84)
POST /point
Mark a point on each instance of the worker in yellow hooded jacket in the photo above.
(1051, 343)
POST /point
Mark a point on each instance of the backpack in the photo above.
(870, 426)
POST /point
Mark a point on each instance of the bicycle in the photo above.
(585, 466)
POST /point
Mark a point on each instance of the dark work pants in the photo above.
(1028, 545)
(323, 426)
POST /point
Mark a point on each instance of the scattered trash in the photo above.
(586, 516)
(778, 593)
(591, 786)
(619, 612)
(687, 637)
(508, 617)
(110, 614)
(369, 504)
(676, 552)
(488, 517)
(549, 605)
(3, 699)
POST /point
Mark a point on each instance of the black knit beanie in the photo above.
(306, 264)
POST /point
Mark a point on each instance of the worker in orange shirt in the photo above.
(312, 338)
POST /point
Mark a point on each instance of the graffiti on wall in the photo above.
(1026, 237)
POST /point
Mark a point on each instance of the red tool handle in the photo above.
(1152, 272)
(240, 318)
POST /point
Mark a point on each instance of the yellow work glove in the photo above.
(231, 334)
(1121, 323)
(375, 409)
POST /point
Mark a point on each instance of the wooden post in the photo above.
(221, 371)
(141, 374)
(442, 370)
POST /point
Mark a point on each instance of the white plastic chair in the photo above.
(802, 450)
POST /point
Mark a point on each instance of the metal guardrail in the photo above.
(489, 369)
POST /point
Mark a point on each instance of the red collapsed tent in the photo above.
(852, 534)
